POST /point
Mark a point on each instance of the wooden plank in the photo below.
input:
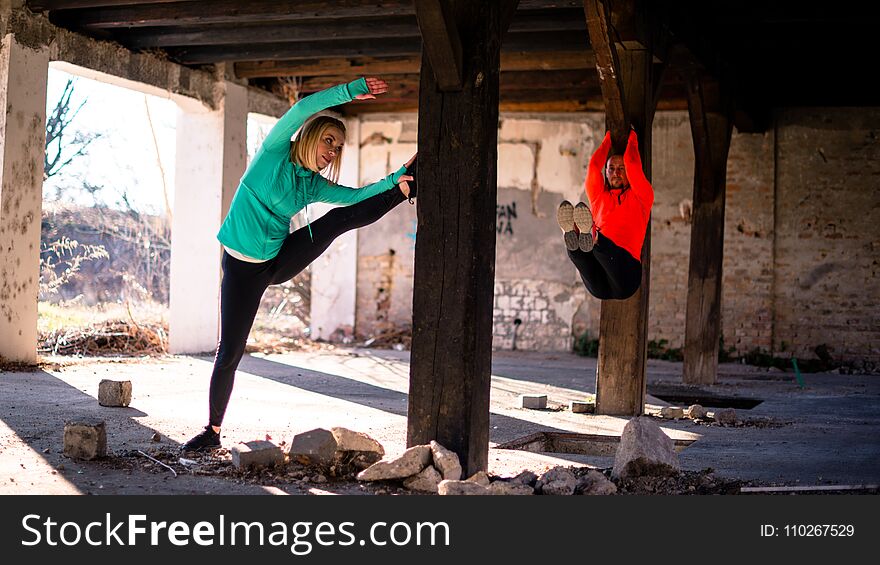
(441, 42)
(42, 5)
(510, 61)
(453, 282)
(249, 33)
(711, 128)
(599, 28)
(225, 11)
(628, 89)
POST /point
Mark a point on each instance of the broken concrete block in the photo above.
(410, 463)
(595, 483)
(258, 453)
(558, 481)
(725, 416)
(314, 447)
(355, 451)
(425, 481)
(578, 407)
(510, 488)
(525, 478)
(672, 412)
(644, 450)
(696, 412)
(533, 401)
(85, 439)
(446, 462)
(480, 478)
(348, 440)
(114, 393)
(461, 488)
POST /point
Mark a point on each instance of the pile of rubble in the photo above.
(724, 417)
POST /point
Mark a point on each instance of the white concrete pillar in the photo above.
(334, 274)
(211, 158)
(23, 76)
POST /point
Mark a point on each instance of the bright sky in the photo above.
(124, 160)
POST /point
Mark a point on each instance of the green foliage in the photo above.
(659, 350)
(586, 346)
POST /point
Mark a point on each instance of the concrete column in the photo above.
(211, 158)
(23, 76)
(334, 274)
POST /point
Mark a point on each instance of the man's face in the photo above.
(615, 172)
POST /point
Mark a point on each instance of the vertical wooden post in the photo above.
(628, 81)
(711, 127)
(454, 274)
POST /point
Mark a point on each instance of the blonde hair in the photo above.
(303, 149)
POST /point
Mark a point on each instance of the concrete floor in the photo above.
(827, 432)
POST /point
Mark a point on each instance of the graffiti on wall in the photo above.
(504, 216)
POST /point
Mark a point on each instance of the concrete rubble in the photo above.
(644, 450)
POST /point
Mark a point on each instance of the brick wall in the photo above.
(828, 233)
(802, 233)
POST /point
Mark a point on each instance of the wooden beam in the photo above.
(599, 28)
(44, 5)
(453, 282)
(226, 11)
(297, 50)
(711, 127)
(286, 32)
(510, 61)
(628, 88)
(441, 42)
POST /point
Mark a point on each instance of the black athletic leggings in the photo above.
(244, 283)
(608, 271)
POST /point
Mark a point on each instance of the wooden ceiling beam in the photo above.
(525, 42)
(510, 61)
(250, 33)
(441, 42)
(45, 5)
(225, 11)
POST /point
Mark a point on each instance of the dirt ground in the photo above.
(824, 433)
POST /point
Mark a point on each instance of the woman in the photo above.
(283, 178)
(605, 240)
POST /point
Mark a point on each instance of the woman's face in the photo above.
(329, 147)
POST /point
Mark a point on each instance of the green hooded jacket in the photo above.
(273, 189)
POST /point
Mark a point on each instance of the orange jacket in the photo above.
(621, 215)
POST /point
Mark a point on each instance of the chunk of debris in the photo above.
(558, 481)
(578, 407)
(425, 481)
(595, 483)
(85, 439)
(410, 463)
(114, 393)
(314, 447)
(480, 478)
(725, 416)
(525, 478)
(696, 412)
(644, 450)
(461, 488)
(510, 488)
(672, 412)
(257, 453)
(446, 462)
(533, 401)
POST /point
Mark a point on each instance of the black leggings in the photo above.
(244, 283)
(608, 271)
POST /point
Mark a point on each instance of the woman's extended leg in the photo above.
(301, 248)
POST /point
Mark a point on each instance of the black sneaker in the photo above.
(412, 171)
(207, 440)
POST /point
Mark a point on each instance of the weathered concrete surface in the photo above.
(829, 429)
(23, 76)
(210, 160)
